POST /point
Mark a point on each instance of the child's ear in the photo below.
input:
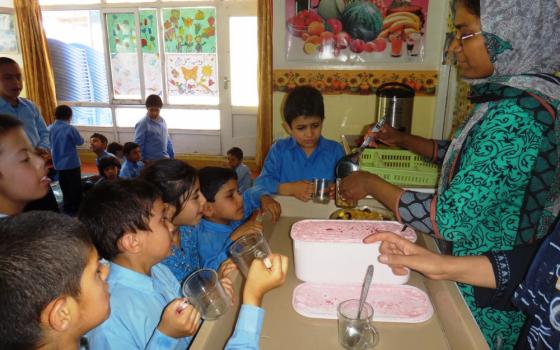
(57, 315)
(129, 242)
(287, 128)
(208, 209)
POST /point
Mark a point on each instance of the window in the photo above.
(200, 57)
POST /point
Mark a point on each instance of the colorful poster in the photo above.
(148, 31)
(193, 75)
(356, 31)
(8, 37)
(124, 71)
(152, 73)
(190, 30)
(121, 29)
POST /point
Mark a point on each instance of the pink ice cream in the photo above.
(345, 231)
(391, 303)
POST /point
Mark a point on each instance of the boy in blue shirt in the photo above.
(64, 138)
(226, 213)
(52, 285)
(147, 310)
(98, 145)
(235, 161)
(151, 134)
(132, 165)
(293, 163)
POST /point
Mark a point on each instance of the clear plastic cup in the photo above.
(321, 190)
(246, 248)
(353, 332)
(206, 293)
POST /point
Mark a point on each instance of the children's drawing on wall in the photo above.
(8, 39)
(193, 75)
(190, 30)
(356, 31)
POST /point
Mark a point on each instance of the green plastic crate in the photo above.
(400, 167)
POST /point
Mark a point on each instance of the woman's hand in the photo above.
(356, 185)
(387, 135)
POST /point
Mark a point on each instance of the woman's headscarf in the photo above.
(522, 37)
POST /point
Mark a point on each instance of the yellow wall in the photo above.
(348, 114)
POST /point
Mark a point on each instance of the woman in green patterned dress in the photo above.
(499, 184)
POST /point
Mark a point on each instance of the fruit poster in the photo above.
(356, 31)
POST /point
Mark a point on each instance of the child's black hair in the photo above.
(129, 147)
(7, 60)
(212, 178)
(8, 123)
(303, 101)
(42, 257)
(173, 178)
(63, 112)
(114, 147)
(99, 136)
(112, 209)
(107, 162)
(236, 152)
(154, 101)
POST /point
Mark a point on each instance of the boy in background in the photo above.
(98, 145)
(235, 161)
(109, 168)
(292, 163)
(151, 134)
(52, 286)
(132, 165)
(147, 310)
(226, 213)
(117, 149)
(64, 139)
(23, 175)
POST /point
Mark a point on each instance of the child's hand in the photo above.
(332, 191)
(302, 190)
(227, 267)
(178, 321)
(260, 280)
(273, 207)
(228, 287)
(245, 229)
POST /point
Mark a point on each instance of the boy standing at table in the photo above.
(292, 163)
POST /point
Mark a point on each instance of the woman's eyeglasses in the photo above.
(464, 37)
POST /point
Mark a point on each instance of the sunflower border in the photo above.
(335, 82)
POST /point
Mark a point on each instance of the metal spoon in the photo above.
(350, 163)
(353, 335)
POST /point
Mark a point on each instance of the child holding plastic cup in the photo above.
(147, 310)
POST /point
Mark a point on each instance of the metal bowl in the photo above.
(360, 213)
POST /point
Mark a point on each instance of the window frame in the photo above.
(224, 10)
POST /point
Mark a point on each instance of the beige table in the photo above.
(451, 326)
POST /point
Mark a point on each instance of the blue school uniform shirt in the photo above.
(184, 259)
(153, 138)
(105, 154)
(64, 138)
(213, 239)
(33, 124)
(287, 162)
(244, 180)
(131, 169)
(137, 302)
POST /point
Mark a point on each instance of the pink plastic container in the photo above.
(390, 303)
(331, 251)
